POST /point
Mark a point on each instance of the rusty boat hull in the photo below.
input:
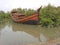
(32, 19)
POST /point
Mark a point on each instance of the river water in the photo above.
(16, 34)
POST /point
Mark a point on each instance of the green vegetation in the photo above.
(49, 15)
(25, 11)
(4, 15)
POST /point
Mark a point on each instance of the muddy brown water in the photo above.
(16, 34)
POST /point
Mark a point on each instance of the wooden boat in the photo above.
(20, 18)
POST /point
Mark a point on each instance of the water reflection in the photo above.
(9, 37)
(43, 38)
(16, 34)
(31, 29)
